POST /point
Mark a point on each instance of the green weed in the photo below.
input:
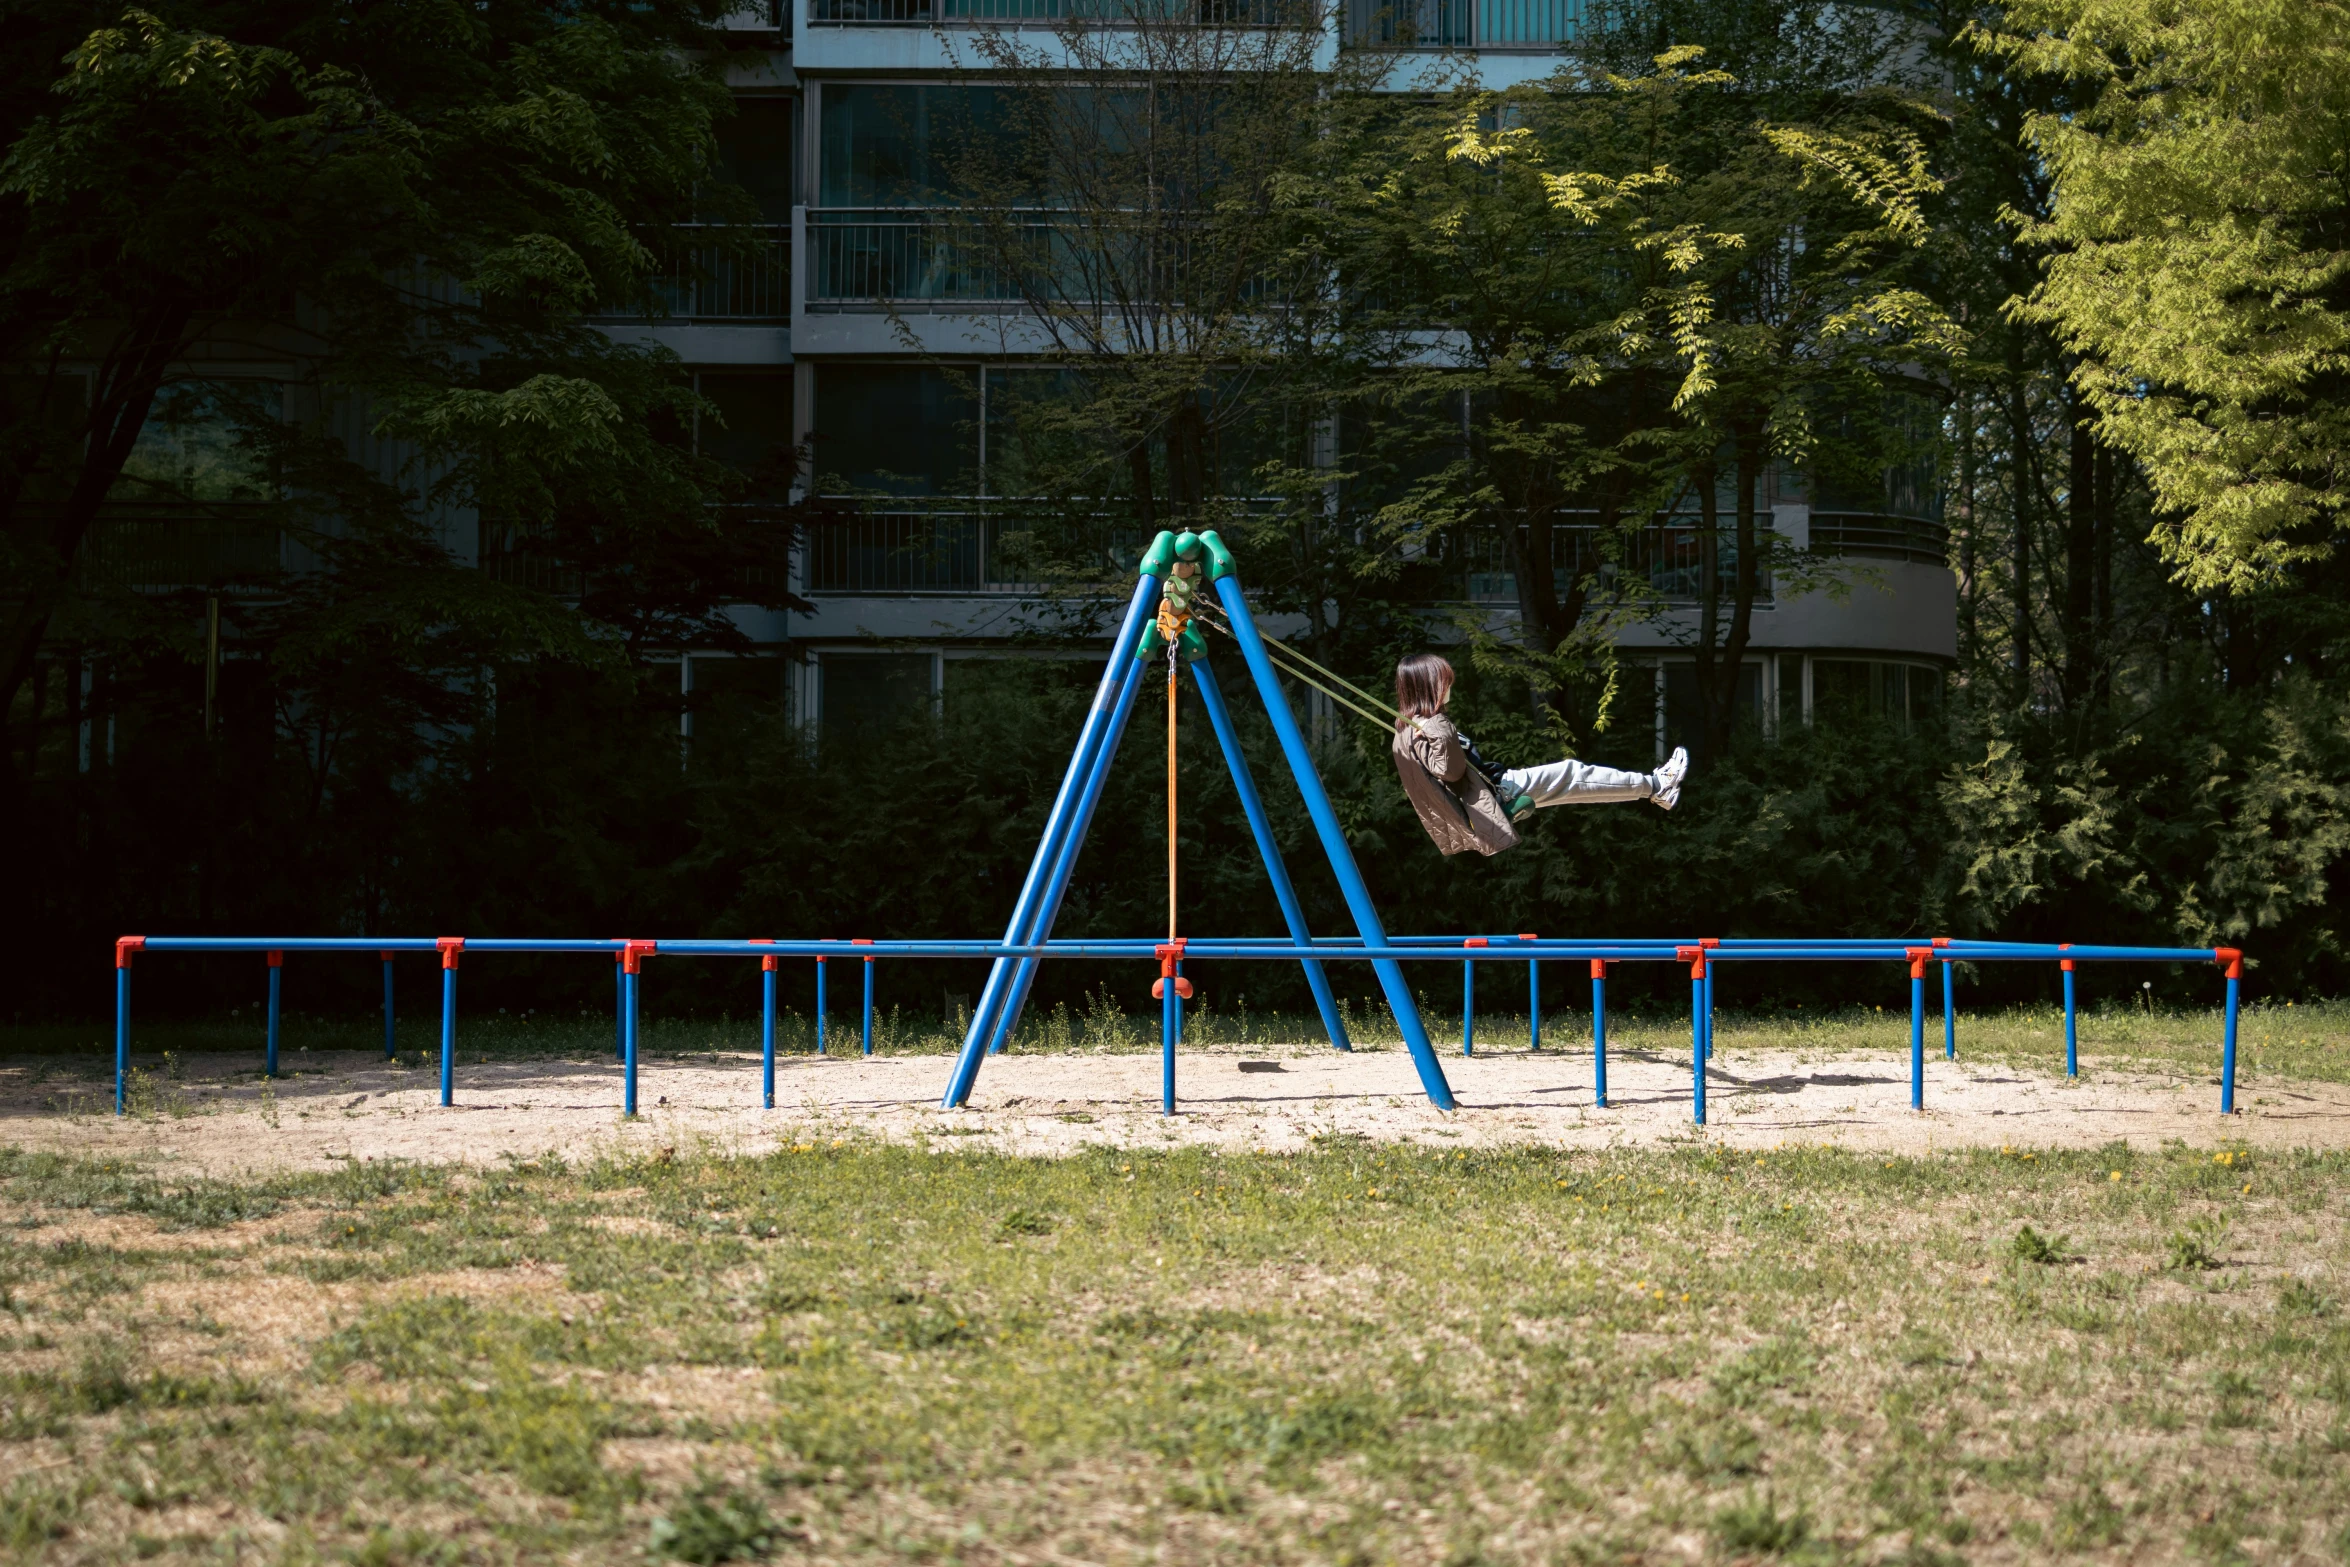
(713, 1523)
(2032, 1246)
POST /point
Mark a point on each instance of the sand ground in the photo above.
(219, 1117)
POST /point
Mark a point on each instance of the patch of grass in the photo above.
(2032, 1246)
(877, 1353)
(713, 1523)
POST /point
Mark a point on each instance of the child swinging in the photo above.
(1466, 802)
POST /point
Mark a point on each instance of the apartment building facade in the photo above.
(848, 329)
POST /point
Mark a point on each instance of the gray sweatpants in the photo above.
(1569, 782)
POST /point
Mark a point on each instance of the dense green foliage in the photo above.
(2148, 730)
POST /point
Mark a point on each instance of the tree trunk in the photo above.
(1721, 705)
(123, 391)
(2080, 560)
(1709, 601)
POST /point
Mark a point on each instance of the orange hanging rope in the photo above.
(1171, 791)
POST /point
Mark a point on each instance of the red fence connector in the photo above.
(1694, 957)
(861, 941)
(763, 941)
(1709, 942)
(1941, 941)
(387, 957)
(634, 953)
(1919, 957)
(2226, 957)
(2066, 964)
(1476, 941)
(450, 946)
(1170, 953)
(1527, 935)
(277, 959)
(124, 946)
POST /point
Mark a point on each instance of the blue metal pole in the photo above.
(767, 1032)
(1260, 826)
(1342, 861)
(1170, 1023)
(1064, 865)
(1468, 1008)
(1599, 1031)
(820, 1006)
(1117, 678)
(869, 1006)
(1709, 1011)
(628, 984)
(1697, 1042)
(2227, 1052)
(448, 1029)
(123, 1030)
(269, 1057)
(2072, 1036)
(1949, 1016)
(1917, 1036)
(391, 1039)
(1534, 1004)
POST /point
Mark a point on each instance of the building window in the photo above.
(871, 694)
(755, 151)
(895, 429)
(895, 144)
(752, 433)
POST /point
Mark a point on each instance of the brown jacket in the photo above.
(1456, 804)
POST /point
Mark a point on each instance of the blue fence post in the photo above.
(1533, 997)
(1949, 1010)
(2072, 1032)
(1400, 1000)
(1695, 958)
(1260, 826)
(632, 970)
(820, 1006)
(2227, 1051)
(1709, 1003)
(450, 947)
(1116, 684)
(277, 968)
(866, 941)
(766, 1024)
(124, 946)
(1469, 999)
(391, 1037)
(1169, 988)
(1599, 1030)
(1918, 958)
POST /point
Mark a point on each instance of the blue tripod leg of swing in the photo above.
(1260, 826)
(1342, 861)
(1058, 822)
(1065, 863)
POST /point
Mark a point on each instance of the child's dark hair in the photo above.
(1422, 682)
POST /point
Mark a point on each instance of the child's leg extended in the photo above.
(1569, 782)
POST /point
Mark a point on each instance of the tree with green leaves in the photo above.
(415, 209)
(2194, 258)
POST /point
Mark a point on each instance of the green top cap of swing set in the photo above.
(1168, 548)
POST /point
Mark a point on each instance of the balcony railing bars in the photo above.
(1873, 536)
(916, 256)
(161, 549)
(1668, 556)
(1531, 25)
(1108, 13)
(974, 551)
(695, 280)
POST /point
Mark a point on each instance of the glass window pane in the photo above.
(871, 693)
(896, 145)
(752, 433)
(755, 152)
(1841, 688)
(896, 429)
(192, 446)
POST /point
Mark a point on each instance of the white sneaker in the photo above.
(1668, 780)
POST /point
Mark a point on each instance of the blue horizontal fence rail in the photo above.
(1699, 955)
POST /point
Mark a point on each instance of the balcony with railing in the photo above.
(712, 272)
(1877, 536)
(1669, 557)
(867, 256)
(1108, 13)
(162, 548)
(1530, 26)
(959, 551)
